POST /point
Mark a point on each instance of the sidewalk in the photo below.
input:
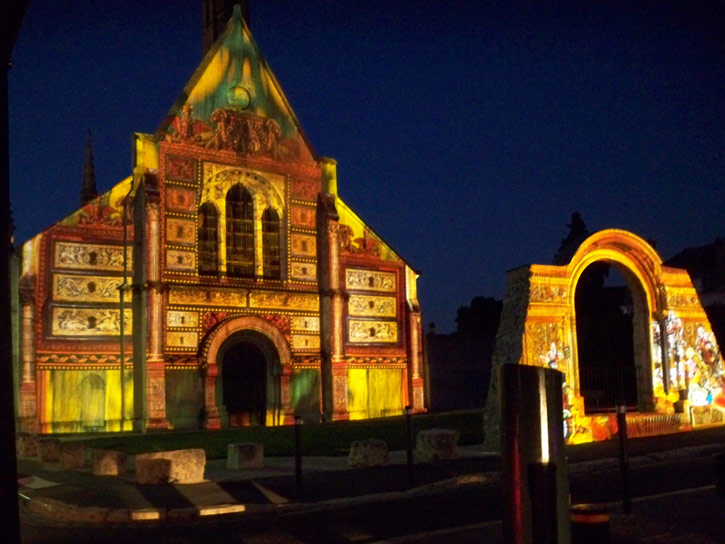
(78, 497)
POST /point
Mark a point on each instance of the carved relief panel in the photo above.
(69, 321)
(370, 280)
(364, 331)
(303, 271)
(180, 260)
(304, 245)
(303, 216)
(76, 288)
(373, 306)
(180, 231)
(85, 256)
(180, 199)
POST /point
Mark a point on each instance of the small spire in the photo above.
(89, 191)
(216, 15)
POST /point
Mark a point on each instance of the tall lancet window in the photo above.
(208, 230)
(240, 232)
(270, 244)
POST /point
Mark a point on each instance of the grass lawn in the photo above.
(317, 439)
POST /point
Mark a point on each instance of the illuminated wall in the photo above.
(538, 327)
(236, 241)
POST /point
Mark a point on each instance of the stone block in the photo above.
(176, 467)
(245, 455)
(221, 509)
(147, 514)
(109, 463)
(437, 444)
(49, 449)
(368, 453)
(72, 455)
(28, 445)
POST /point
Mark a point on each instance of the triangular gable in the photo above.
(358, 238)
(104, 210)
(234, 102)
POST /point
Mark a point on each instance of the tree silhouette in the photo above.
(578, 232)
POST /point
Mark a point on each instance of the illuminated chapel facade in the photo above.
(223, 283)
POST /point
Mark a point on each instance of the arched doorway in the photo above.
(604, 309)
(247, 360)
(232, 335)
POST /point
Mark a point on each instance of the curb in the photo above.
(56, 510)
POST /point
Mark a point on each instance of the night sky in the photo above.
(466, 133)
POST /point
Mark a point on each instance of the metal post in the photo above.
(13, 13)
(409, 431)
(298, 457)
(623, 456)
(534, 473)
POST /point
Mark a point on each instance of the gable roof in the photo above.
(234, 79)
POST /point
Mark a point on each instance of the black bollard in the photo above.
(590, 524)
(298, 458)
(623, 456)
(542, 494)
(534, 480)
(409, 430)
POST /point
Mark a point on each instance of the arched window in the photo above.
(208, 225)
(240, 232)
(270, 244)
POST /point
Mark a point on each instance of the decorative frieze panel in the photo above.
(361, 331)
(88, 321)
(682, 298)
(87, 288)
(208, 297)
(182, 339)
(302, 342)
(372, 306)
(267, 188)
(310, 324)
(180, 199)
(303, 271)
(370, 280)
(304, 189)
(303, 216)
(83, 256)
(548, 293)
(180, 260)
(304, 245)
(284, 301)
(180, 231)
(176, 318)
(180, 168)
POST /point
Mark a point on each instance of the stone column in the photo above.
(213, 418)
(156, 378)
(332, 301)
(416, 356)
(288, 416)
(28, 409)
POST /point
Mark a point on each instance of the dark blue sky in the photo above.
(465, 132)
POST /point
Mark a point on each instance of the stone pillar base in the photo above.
(418, 396)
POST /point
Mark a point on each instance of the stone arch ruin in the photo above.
(679, 374)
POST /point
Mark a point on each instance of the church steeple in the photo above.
(89, 191)
(216, 15)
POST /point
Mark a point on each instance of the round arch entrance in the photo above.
(609, 317)
(246, 381)
(640, 266)
(247, 360)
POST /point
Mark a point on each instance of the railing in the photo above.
(603, 387)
